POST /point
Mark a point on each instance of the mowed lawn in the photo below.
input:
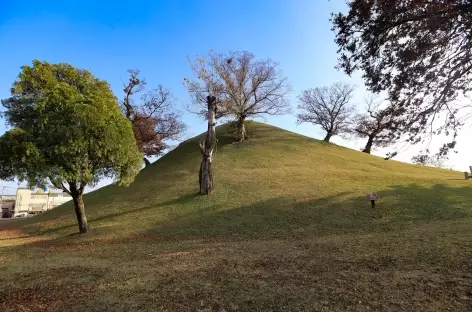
(288, 229)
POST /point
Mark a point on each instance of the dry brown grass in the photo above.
(289, 230)
(407, 270)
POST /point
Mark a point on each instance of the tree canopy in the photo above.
(418, 52)
(154, 118)
(425, 159)
(375, 124)
(67, 130)
(243, 86)
(329, 107)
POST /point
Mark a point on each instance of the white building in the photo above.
(28, 201)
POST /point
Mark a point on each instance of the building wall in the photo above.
(7, 207)
(38, 202)
(27, 201)
(8, 197)
(55, 200)
(8, 204)
(23, 197)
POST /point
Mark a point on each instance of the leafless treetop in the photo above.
(376, 120)
(330, 107)
(243, 86)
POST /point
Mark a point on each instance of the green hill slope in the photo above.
(275, 182)
(288, 227)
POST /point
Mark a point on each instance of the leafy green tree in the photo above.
(67, 130)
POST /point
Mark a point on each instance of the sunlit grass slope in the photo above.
(287, 228)
(277, 182)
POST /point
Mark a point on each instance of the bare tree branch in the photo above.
(243, 86)
(375, 124)
(154, 119)
(329, 107)
(418, 52)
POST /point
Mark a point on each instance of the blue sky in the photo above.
(109, 37)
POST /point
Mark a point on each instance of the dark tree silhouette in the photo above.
(329, 107)
(154, 119)
(375, 124)
(421, 159)
(425, 159)
(417, 51)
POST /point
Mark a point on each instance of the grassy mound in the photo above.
(288, 228)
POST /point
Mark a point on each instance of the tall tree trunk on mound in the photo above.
(79, 206)
(207, 148)
(368, 146)
(146, 162)
(240, 129)
(328, 136)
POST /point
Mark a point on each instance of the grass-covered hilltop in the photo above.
(287, 228)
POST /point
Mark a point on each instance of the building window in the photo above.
(38, 196)
(37, 206)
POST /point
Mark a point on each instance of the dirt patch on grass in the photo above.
(47, 297)
(11, 233)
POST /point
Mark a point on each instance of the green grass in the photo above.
(288, 228)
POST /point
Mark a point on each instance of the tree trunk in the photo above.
(80, 212)
(146, 162)
(240, 130)
(207, 147)
(328, 136)
(206, 176)
(368, 146)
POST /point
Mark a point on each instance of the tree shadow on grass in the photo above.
(390, 272)
(180, 200)
(419, 203)
(268, 216)
(341, 213)
(285, 217)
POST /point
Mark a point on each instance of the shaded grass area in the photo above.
(409, 269)
(288, 229)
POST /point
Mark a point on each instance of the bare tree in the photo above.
(375, 125)
(329, 107)
(154, 120)
(425, 159)
(245, 87)
(207, 89)
(207, 147)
